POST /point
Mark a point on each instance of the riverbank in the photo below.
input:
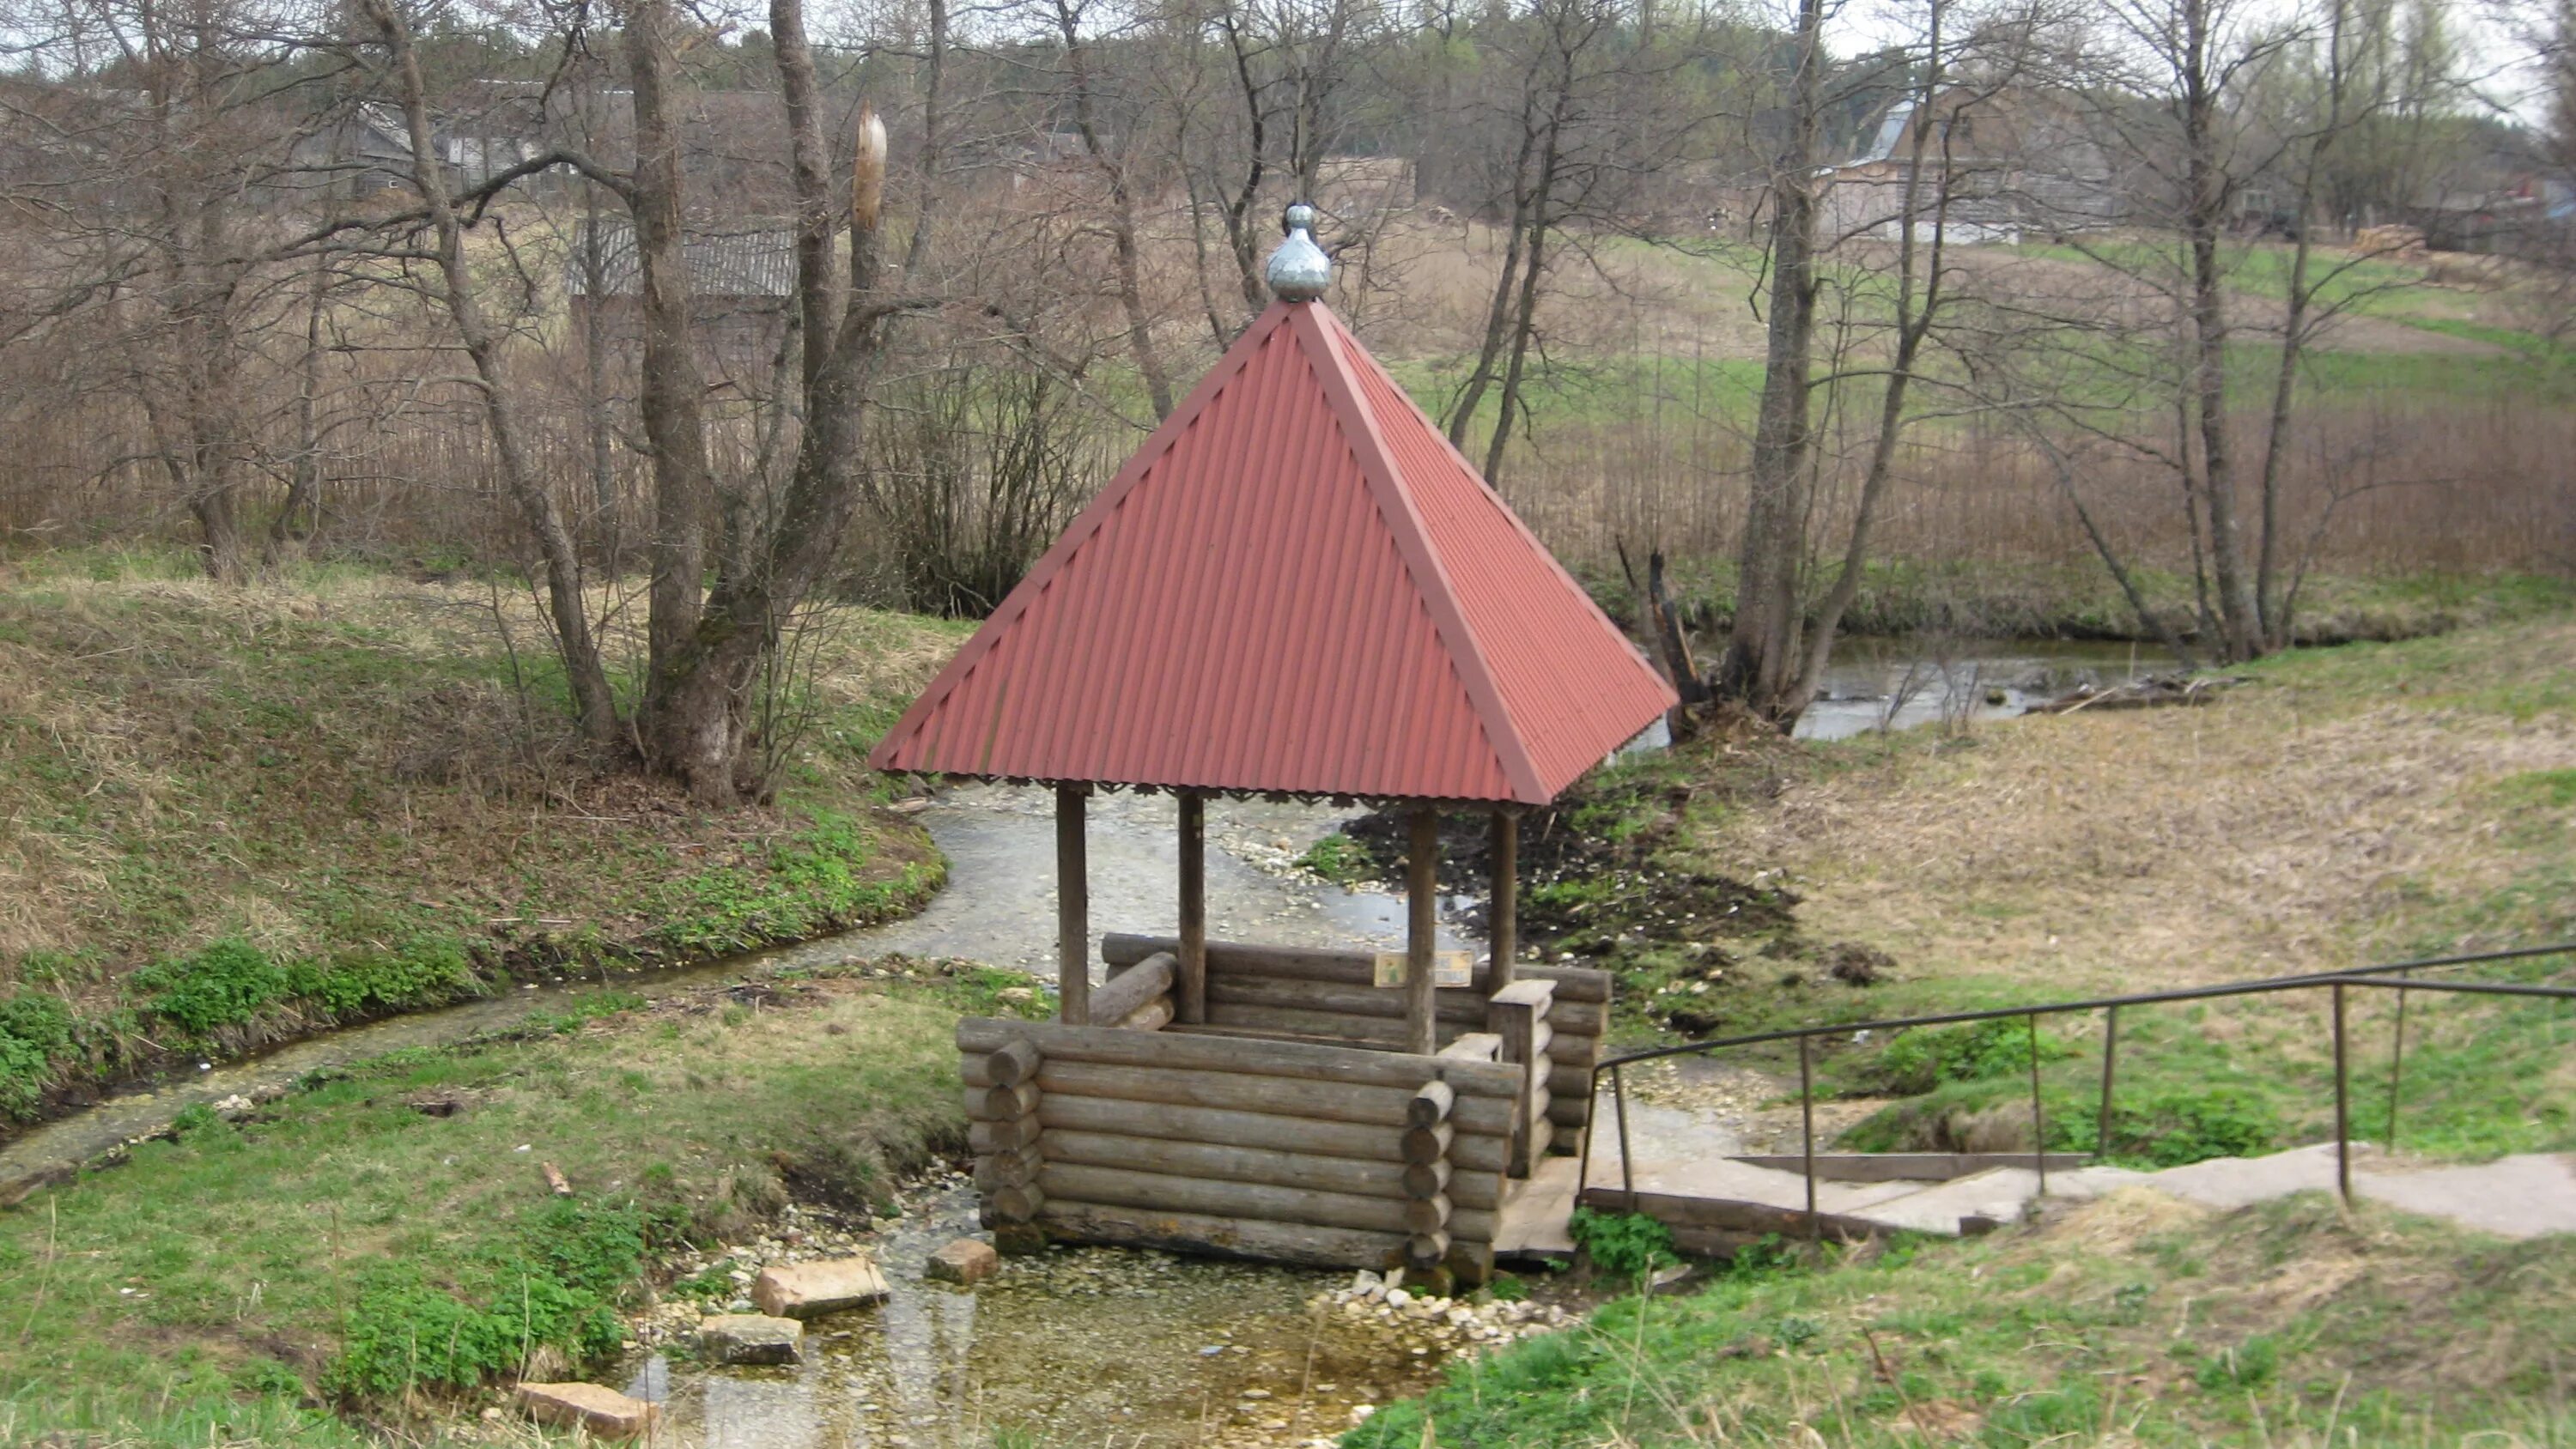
(2080, 601)
(2138, 1320)
(384, 1238)
(241, 815)
(2344, 807)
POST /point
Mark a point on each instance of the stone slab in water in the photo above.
(967, 1261)
(751, 1338)
(810, 1290)
(602, 1411)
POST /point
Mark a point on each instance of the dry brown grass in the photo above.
(2285, 828)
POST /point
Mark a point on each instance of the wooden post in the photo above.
(1422, 926)
(1072, 907)
(1193, 976)
(1503, 927)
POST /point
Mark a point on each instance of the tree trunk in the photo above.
(593, 702)
(705, 714)
(300, 516)
(1122, 215)
(2204, 216)
(1761, 662)
(672, 397)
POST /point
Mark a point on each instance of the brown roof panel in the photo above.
(1296, 585)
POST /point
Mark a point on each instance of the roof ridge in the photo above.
(1422, 560)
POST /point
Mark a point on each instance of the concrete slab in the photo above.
(2515, 1197)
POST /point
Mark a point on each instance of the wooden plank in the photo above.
(1350, 968)
(1292, 1060)
(1534, 994)
(1242, 1092)
(1073, 907)
(1011, 1063)
(1129, 990)
(1264, 1241)
(1192, 954)
(1227, 1163)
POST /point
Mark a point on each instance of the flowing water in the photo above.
(1874, 683)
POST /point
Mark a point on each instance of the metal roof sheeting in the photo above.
(759, 263)
(1295, 586)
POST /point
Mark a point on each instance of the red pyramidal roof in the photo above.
(1296, 586)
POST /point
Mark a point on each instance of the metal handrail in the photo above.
(2396, 976)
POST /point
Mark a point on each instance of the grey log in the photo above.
(1007, 1169)
(1426, 1250)
(1426, 1214)
(1350, 968)
(1226, 1162)
(986, 1137)
(1424, 1179)
(1001, 1104)
(1169, 1192)
(1430, 1105)
(1243, 1092)
(1060, 1110)
(1270, 1242)
(1428, 1144)
(1295, 1060)
(1154, 1015)
(1131, 989)
(1011, 1064)
(1020, 1202)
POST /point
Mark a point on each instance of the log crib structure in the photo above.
(1295, 589)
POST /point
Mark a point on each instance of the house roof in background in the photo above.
(752, 263)
(1297, 586)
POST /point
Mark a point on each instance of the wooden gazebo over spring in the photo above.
(1296, 587)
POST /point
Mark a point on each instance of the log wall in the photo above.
(1293, 993)
(1287, 1151)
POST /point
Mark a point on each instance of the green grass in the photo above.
(341, 1245)
(2133, 1322)
(241, 815)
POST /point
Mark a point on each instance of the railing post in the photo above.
(2343, 1105)
(2396, 1069)
(2038, 1123)
(2110, 1061)
(1807, 1130)
(1627, 1157)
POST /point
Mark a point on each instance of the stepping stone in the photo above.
(604, 1412)
(966, 1261)
(751, 1338)
(810, 1290)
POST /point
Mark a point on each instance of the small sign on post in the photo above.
(1448, 968)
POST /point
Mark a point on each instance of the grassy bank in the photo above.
(1986, 600)
(345, 1247)
(2345, 807)
(238, 815)
(2134, 1321)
